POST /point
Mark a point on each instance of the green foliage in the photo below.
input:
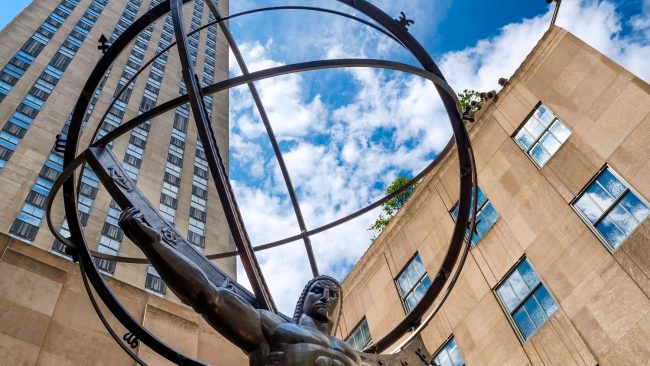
(470, 103)
(393, 205)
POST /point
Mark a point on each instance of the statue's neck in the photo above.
(308, 321)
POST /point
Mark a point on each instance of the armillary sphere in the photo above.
(100, 159)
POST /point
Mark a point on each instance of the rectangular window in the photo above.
(360, 337)
(154, 283)
(196, 239)
(541, 136)
(107, 246)
(24, 230)
(611, 208)
(526, 300)
(412, 283)
(448, 355)
(486, 216)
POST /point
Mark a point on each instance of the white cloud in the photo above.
(595, 22)
(394, 122)
(599, 24)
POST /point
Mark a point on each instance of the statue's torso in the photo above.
(295, 345)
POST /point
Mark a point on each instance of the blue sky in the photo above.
(10, 9)
(346, 134)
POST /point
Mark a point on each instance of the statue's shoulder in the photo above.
(270, 321)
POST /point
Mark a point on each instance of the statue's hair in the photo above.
(301, 300)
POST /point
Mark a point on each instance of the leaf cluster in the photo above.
(390, 207)
(470, 102)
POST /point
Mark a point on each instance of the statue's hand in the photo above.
(138, 230)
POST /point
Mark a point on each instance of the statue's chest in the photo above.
(293, 345)
(289, 333)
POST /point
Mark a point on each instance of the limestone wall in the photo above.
(46, 317)
(604, 314)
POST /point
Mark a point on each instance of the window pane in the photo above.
(589, 208)
(411, 302)
(534, 127)
(518, 285)
(634, 205)
(489, 214)
(610, 232)
(413, 281)
(525, 139)
(544, 298)
(601, 197)
(623, 219)
(426, 282)
(412, 275)
(508, 296)
(535, 311)
(544, 115)
(561, 133)
(550, 143)
(542, 135)
(443, 359)
(403, 283)
(419, 291)
(611, 183)
(360, 337)
(530, 277)
(454, 353)
(524, 323)
(418, 266)
(528, 311)
(485, 218)
(539, 155)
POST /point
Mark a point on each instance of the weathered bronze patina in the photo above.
(250, 320)
(308, 339)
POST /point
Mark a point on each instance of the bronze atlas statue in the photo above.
(250, 320)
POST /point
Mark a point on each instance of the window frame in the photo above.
(628, 188)
(163, 289)
(521, 126)
(355, 329)
(509, 314)
(442, 347)
(420, 278)
(479, 210)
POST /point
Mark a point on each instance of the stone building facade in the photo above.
(49, 50)
(559, 271)
(549, 280)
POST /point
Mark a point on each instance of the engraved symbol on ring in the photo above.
(169, 236)
(120, 180)
(131, 340)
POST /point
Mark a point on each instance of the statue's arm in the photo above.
(227, 312)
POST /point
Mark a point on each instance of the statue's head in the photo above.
(321, 301)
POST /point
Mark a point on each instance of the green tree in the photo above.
(393, 205)
(470, 102)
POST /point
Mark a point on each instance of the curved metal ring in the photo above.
(69, 196)
(461, 140)
(221, 20)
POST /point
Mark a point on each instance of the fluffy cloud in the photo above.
(595, 22)
(342, 148)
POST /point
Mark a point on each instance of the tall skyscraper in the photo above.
(49, 50)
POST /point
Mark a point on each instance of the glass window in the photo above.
(360, 337)
(486, 216)
(611, 208)
(542, 135)
(526, 300)
(448, 355)
(154, 283)
(412, 283)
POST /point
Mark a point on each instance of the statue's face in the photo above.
(322, 302)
